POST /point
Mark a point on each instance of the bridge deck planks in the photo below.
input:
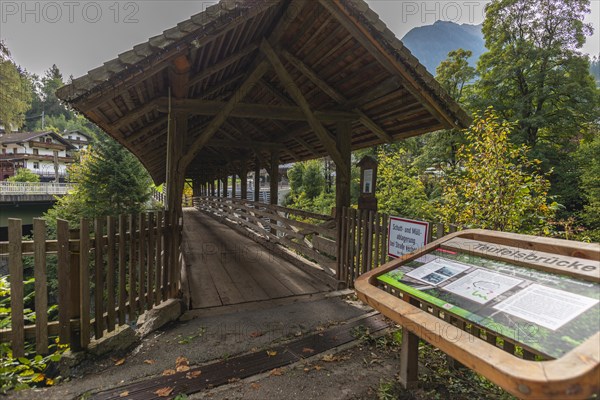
(227, 268)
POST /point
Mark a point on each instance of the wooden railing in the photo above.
(109, 271)
(364, 241)
(308, 234)
(49, 188)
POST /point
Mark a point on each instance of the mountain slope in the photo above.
(431, 43)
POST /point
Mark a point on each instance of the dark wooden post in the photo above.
(274, 177)
(244, 179)
(175, 184)
(224, 186)
(342, 186)
(257, 180)
(219, 191)
(212, 187)
(196, 188)
(233, 188)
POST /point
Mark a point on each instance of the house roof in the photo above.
(341, 60)
(20, 137)
(66, 134)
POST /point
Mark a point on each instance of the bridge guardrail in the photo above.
(29, 188)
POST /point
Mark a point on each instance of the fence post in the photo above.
(64, 280)
(75, 285)
(15, 265)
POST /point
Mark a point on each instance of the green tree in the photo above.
(495, 185)
(456, 76)
(533, 72)
(15, 92)
(455, 73)
(294, 175)
(45, 101)
(24, 175)
(109, 181)
(587, 155)
(399, 190)
(313, 181)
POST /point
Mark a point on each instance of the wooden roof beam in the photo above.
(223, 114)
(294, 91)
(386, 60)
(335, 95)
(213, 69)
(246, 110)
(243, 144)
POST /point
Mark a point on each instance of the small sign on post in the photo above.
(406, 236)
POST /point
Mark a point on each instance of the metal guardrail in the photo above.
(27, 188)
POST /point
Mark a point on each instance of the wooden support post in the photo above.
(274, 182)
(274, 177)
(244, 179)
(225, 187)
(233, 185)
(409, 355)
(342, 186)
(212, 187)
(257, 180)
(219, 191)
(196, 187)
(409, 360)
(174, 199)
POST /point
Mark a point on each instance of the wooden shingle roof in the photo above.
(339, 57)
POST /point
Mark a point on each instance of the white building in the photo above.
(77, 138)
(47, 154)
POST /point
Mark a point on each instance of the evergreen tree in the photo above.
(45, 101)
(109, 181)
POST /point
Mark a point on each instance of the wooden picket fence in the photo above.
(308, 234)
(363, 242)
(109, 271)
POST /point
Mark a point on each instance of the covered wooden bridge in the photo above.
(251, 84)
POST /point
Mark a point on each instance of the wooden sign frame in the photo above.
(576, 375)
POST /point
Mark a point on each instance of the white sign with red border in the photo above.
(406, 236)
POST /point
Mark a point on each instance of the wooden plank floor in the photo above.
(227, 268)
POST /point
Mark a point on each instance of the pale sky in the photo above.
(81, 35)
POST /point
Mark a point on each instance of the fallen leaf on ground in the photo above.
(320, 328)
(256, 334)
(255, 386)
(149, 361)
(168, 372)
(49, 381)
(271, 353)
(276, 372)
(318, 368)
(124, 394)
(193, 374)
(120, 361)
(329, 358)
(308, 350)
(232, 380)
(306, 369)
(183, 368)
(164, 392)
(181, 361)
